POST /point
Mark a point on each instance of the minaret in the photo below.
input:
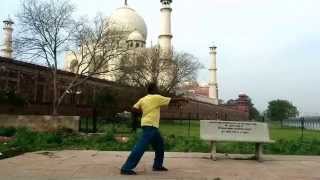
(213, 84)
(7, 38)
(165, 30)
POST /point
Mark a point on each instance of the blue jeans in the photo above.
(150, 135)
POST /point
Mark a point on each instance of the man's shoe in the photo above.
(127, 172)
(160, 169)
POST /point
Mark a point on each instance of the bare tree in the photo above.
(146, 66)
(141, 67)
(96, 52)
(45, 31)
(48, 30)
(184, 68)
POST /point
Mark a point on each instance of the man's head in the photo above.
(152, 88)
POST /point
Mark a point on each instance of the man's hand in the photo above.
(136, 112)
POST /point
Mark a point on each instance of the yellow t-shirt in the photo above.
(150, 106)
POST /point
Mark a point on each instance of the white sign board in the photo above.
(214, 130)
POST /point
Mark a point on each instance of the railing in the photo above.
(312, 123)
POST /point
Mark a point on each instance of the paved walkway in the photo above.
(97, 165)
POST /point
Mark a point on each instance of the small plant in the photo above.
(7, 132)
(25, 140)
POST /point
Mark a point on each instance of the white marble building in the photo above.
(126, 19)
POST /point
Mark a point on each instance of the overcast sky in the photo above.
(268, 49)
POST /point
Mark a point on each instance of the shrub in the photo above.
(107, 137)
(25, 139)
(294, 147)
(8, 132)
(50, 139)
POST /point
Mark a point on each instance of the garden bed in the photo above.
(24, 140)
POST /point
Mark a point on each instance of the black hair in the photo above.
(152, 88)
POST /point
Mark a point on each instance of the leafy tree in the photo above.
(254, 113)
(279, 110)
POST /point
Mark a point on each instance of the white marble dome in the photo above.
(136, 36)
(127, 19)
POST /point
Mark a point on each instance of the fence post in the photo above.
(94, 120)
(189, 124)
(87, 124)
(302, 127)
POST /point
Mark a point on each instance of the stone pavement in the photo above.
(99, 165)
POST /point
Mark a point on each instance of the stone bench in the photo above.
(235, 131)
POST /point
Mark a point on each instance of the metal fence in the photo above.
(312, 123)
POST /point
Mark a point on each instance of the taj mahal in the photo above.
(131, 34)
(135, 38)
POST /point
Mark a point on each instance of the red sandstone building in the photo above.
(242, 103)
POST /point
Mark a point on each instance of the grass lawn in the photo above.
(289, 133)
(180, 128)
(276, 132)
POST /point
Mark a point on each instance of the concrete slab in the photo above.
(96, 165)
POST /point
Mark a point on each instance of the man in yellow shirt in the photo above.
(149, 105)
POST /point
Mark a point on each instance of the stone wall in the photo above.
(196, 110)
(40, 123)
(33, 82)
